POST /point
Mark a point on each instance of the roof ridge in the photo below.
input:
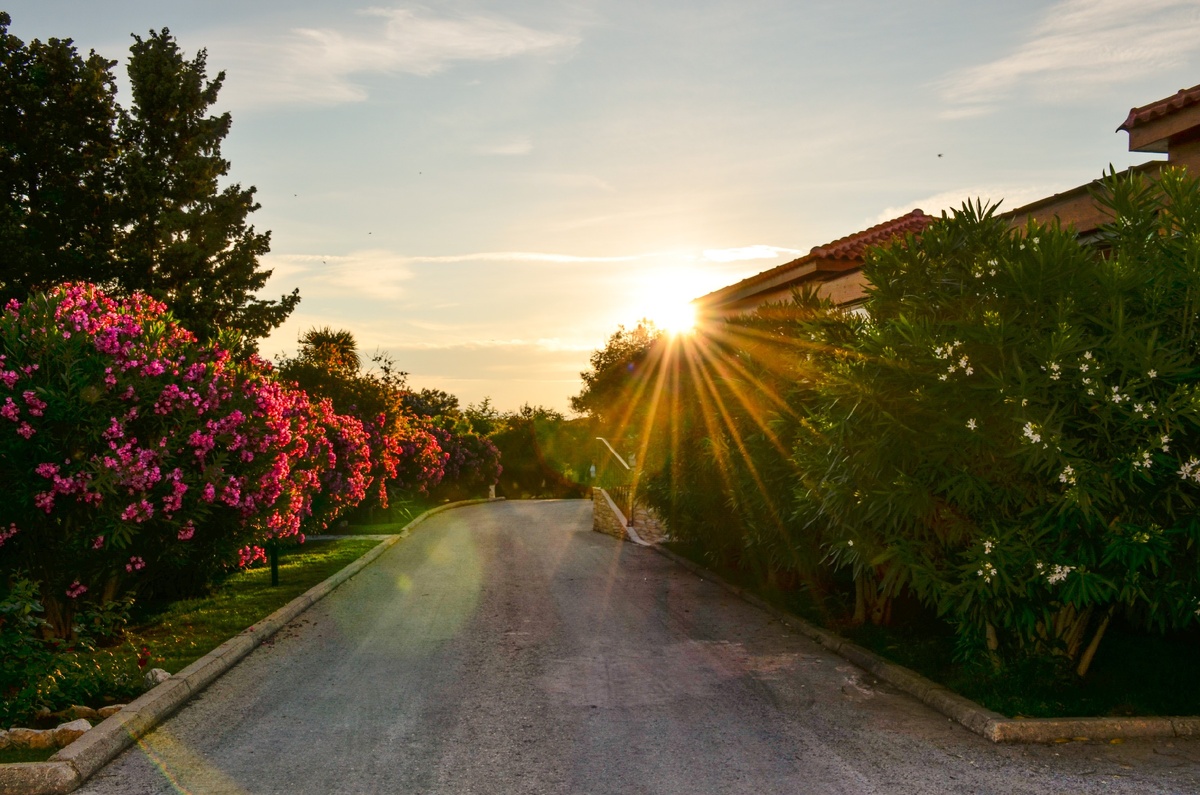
(889, 228)
(1161, 107)
(851, 246)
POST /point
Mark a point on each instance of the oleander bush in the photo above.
(138, 458)
(1010, 434)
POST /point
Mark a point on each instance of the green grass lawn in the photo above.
(179, 633)
(1133, 674)
(378, 521)
(182, 632)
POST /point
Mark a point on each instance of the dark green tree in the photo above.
(186, 239)
(328, 366)
(58, 158)
(432, 403)
(616, 370)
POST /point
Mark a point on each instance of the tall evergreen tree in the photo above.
(186, 240)
(58, 154)
(90, 192)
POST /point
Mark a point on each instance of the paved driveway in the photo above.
(506, 648)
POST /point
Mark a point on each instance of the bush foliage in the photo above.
(1009, 433)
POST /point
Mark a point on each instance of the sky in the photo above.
(486, 190)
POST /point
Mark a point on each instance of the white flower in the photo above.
(1035, 240)
(1024, 401)
(850, 543)
(1031, 434)
(971, 424)
(1190, 471)
(1165, 443)
(1137, 407)
(1153, 374)
(1040, 565)
(1087, 354)
(943, 377)
(988, 546)
(1067, 475)
(1083, 368)
(969, 370)
(1058, 574)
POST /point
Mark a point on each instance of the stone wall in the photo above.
(647, 525)
(606, 518)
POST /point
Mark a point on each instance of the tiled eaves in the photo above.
(837, 256)
(1183, 98)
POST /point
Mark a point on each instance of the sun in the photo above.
(667, 300)
(675, 317)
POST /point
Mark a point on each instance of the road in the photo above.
(506, 648)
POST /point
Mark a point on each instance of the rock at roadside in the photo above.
(67, 733)
(155, 676)
(35, 739)
(75, 712)
(5, 742)
(110, 710)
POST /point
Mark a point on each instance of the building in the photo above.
(1168, 126)
(834, 269)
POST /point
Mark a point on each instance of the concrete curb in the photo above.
(77, 762)
(982, 721)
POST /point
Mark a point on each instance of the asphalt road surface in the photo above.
(506, 648)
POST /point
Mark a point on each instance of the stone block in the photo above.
(45, 778)
(67, 733)
(36, 739)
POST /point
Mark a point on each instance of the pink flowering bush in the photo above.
(420, 461)
(472, 463)
(135, 455)
(353, 456)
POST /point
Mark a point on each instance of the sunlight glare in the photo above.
(675, 318)
(667, 300)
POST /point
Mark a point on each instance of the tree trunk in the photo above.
(1085, 662)
(860, 601)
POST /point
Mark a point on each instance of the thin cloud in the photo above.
(1079, 47)
(318, 65)
(376, 273)
(377, 259)
(748, 252)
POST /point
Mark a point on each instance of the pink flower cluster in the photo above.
(120, 421)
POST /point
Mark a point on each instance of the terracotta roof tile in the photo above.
(855, 245)
(850, 247)
(1178, 101)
